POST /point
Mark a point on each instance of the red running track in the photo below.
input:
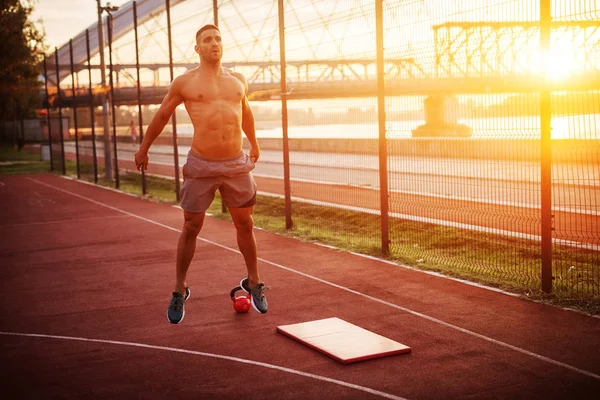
(87, 275)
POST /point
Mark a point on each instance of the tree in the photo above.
(21, 61)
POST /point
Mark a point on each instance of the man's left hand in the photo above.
(254, 153)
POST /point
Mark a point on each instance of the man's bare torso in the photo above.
(214, 104)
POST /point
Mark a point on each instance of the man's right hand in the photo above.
(141, 159)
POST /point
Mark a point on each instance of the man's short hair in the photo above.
(204, 28)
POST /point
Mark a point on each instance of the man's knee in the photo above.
(191, 229)
(192, 225)
(244, 224)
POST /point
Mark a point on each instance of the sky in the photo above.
(64, 19)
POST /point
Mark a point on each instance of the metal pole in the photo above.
(48, 113)
(383, 183)
(60, 121)
(546, 148)
(74, 108)
(108, 174)
(174, 117)
(112, 99)
(92, 106)
(216, 23)
(284, 118)
(139, 89)
(216, 12)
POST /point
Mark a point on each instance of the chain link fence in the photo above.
(431, 148)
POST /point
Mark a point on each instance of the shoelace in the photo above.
(177, 303)
(260, 288)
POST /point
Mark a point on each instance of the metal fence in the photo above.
(447, 134)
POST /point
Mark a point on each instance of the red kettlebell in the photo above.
(241, 304)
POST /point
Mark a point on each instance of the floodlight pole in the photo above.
(108, 169)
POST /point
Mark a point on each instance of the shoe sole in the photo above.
(242, 286)
(251, 298)
(254, 306)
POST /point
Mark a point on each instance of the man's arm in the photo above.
(248, 124)
(160, 119)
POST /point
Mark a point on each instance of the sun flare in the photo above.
(561, 61)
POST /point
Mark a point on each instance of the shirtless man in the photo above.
(215, 99)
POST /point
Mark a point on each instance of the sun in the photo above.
(561, 61)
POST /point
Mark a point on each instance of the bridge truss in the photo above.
(331, 48)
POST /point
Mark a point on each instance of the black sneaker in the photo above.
(258, 299)
(176, 312)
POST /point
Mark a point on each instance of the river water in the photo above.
(585, 126)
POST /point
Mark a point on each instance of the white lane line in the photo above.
(1, 184)
(487, 201)
(435, 221)
(407, 310)
(60, 221)
(217, 356)
(441, 222)
(433, 195)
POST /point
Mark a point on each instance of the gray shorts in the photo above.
(231, 176)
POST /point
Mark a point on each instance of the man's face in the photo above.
(209, 46)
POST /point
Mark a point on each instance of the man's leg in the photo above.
(186, 247)
(242, 219)
(244, 225)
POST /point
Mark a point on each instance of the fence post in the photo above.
(546, 147)
(174, 117)
(383, 175)
(284, 118)
(112, 99)
(215, 12)
(74, 108)
(139, 89)
(48, 113)
(60, 121)
(216, 23)
(92, 108)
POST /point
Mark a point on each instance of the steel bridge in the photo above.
(475, 57)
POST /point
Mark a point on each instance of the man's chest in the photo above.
(226, 88)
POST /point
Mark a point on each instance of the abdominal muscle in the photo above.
(217, 128)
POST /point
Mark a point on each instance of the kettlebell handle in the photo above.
(232, 293)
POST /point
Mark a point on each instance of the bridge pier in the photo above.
(440, 119)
